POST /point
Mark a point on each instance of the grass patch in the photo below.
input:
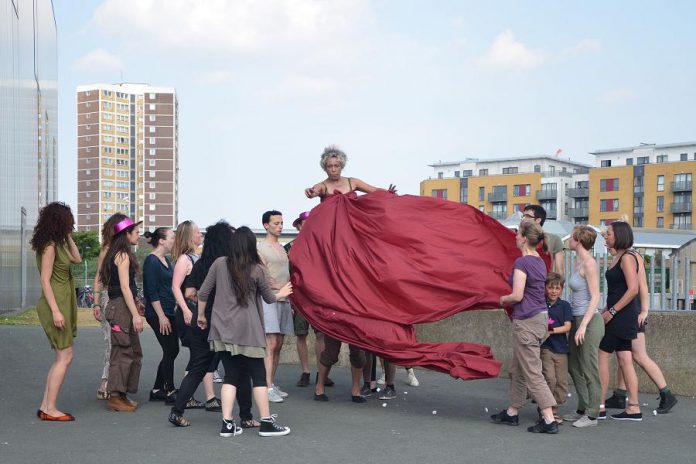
(29, 317)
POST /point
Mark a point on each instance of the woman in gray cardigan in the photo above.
(236, 327)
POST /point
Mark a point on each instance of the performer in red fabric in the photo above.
(365, 269)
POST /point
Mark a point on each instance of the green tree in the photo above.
(88, 243)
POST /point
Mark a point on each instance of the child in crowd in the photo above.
(554, 351)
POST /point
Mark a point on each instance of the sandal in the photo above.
(250, 424)
(179, 421)
(103, 395)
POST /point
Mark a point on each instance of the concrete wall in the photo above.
(671, 340)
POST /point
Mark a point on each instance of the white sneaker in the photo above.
(273, 396)
(280, 392)
(573, 417)
(216, 377)
(412, 380)
(382, 380)
(585, 421)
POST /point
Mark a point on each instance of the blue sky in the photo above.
(264, 86)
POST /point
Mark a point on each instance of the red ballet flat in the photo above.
(47, 417)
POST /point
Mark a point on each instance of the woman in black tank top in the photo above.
(621, 318)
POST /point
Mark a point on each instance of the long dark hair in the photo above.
(217, 243)
(55, 223)
(119, 244)
(154, 237)
(242, 259)
(107, 232)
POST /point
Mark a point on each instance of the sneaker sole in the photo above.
(636, 419)
(584, 426)
(274, 434)
(227, 435)
(668, 409)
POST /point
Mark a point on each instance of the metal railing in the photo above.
(666, 288)
(497, 197)
(549, 194)
(579, 193)
(498, 214)
(680, 207)
(684, 186)
(579, 212)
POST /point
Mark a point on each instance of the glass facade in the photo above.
(28, 140)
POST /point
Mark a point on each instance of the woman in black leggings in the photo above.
(218, 239)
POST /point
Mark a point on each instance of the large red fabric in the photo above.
(365, 269)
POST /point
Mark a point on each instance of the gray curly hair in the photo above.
(332, 151)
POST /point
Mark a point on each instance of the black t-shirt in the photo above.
(560, 312)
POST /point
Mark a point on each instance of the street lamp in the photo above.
(84, 260)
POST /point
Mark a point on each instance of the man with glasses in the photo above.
(554, 244)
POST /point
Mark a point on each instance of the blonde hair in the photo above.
(585, 236)
(532, 232)
(183, 242)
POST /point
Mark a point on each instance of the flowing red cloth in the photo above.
(365, 269)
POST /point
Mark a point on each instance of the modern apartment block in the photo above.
(28, 141)
(127, 154)
(649, 184)
(500, 187)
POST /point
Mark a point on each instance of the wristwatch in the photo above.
(612, 311)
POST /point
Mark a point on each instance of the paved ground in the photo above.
(406, 431)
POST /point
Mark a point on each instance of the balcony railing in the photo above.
(550, 194)
(579, 212)
(680, 207)
(498, 214)
(551, 213)
(638, 189)
(684, 186)
(682, 226)
(497, 197)
(579, 193)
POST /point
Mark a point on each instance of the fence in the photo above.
(667, 292)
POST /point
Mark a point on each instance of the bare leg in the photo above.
(389, 373)
(261, 399)
(629, 373)
(318, 346)
(367, 369)
(321, 379)
(356, 375)
(303, 352)
(228, 393)
(640, 356)
(276, 355)
(54, 381)
(269, 361)
(208, 386)
(603, 359)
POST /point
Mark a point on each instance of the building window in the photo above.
(151, 207)
(152, 218)
(660, 204)
(483, 172)
(510, 170)
(152, 142)
(519, 207)
(661, 159)
(637, 221)
(660, 183)
(152, 196)
(608, 185)
(152, 118)
(684, 157)
(439, 193)
(482, 193)
(467, 173)
(456, 173)
(643, 160)
(152, 185)
(609, 205)
(629, 161)
(152, 162)
(682, 221)
(606, 163)
(537, 168)
(152, 152)
(660, 222)
(440, 175)
(152, 107)
(152, 96)
(521, 190)
(88, 172)
(152, 129)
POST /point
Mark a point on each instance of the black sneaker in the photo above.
(504, 418)
(229, 429)
(213, 405)
(615, 402)
(638, 416)
(602, 415)
(366, 390)
(667, 402)
(543, 427)
(387, 394)
(170, 398)
(159, 395)
(269, 428)
(304, 380)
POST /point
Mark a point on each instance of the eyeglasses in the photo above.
(527, 215)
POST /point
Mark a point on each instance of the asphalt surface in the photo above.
(443, 420)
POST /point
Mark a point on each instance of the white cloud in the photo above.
(585, 45)
(232, 25)
(215, 77)
(99, 60)
(302, 87)
(507, 54)
(617, 96)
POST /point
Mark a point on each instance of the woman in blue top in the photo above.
(159, 308)
(529, 330)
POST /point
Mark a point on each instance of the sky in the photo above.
(264, 86)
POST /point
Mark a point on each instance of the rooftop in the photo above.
(642, 146)
(509, 159)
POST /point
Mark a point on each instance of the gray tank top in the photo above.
(580, 297)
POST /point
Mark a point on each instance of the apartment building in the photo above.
(650, 184)
(127, 154)
(500, 187)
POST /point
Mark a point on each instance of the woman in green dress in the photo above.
(57, 307)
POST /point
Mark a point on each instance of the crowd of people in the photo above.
(229, 305)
